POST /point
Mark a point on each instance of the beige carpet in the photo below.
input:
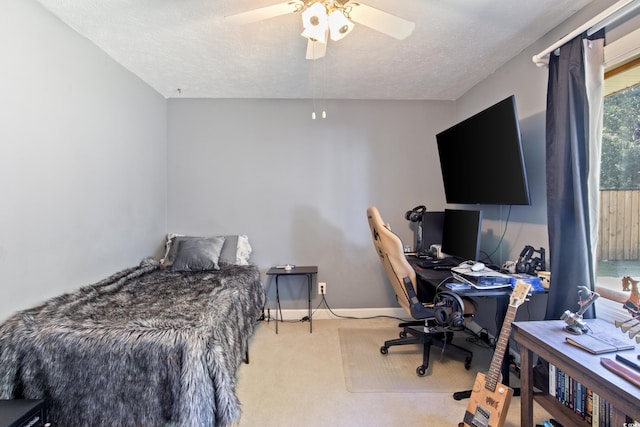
(366, 370)
(296, 378)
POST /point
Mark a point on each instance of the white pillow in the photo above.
(244, 250)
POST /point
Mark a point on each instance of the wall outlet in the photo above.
(322, 288)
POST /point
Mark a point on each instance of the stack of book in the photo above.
(594, 410)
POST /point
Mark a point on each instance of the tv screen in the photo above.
(461, 231)
(481, 158)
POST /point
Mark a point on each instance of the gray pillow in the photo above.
(173, 248)
(198, 254)
(229, 249)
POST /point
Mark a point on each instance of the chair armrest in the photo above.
(418, 310)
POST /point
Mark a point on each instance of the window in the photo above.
(618, 252)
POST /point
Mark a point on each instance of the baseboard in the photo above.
(360, 313)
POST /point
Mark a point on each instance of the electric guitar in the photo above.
(489, 401)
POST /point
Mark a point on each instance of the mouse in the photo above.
(478, 266)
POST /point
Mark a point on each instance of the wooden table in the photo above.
(547, 340)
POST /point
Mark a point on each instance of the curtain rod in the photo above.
(607, 17)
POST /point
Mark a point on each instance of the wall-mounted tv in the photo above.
(481, 158)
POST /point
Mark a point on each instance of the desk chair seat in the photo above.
(446, 313)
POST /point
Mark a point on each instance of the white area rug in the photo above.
(366, 370)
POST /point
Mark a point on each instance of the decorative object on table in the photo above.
(621, 370)
(628, 284)
(632, 360)
(598, 344)
(626, 325)
(489, 401)
(574, 321)
(632, 325)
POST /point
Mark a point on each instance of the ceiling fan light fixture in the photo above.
(316, 35)
(339, 25)
(314, 20)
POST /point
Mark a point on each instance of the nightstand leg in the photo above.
(309, 280)
(277, 303)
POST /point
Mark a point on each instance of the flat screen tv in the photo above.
(481, 158)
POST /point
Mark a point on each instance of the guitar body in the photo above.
(487, 408)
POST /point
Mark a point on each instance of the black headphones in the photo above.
(449, 309)
(415, 214)
(531, 260)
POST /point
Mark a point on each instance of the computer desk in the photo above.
(430, 281)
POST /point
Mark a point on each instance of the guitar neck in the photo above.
(493, 376)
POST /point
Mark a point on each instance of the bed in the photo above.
(156, 344)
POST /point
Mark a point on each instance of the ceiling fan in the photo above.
(322, 19)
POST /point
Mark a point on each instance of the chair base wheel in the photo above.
(384, 350)
(467, 363)
(421, 370)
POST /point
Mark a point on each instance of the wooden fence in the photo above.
(619, 228)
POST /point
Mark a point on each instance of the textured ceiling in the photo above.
(185, 48)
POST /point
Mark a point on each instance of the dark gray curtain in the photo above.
(567, 158)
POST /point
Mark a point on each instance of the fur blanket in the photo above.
(144, 347)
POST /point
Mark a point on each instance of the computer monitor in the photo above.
(432, 229)
(461, 231)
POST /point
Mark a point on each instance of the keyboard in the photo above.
(439, 263)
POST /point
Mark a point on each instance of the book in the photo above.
(595, 417)
(588, 405)
(599, 344)
(553, 382)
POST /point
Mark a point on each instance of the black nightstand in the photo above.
(308, 271)
(23, 413)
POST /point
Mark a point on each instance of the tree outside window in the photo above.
(619, 226)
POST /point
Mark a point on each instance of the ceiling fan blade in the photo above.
(316, 50)
(378, 20)
(265, 12)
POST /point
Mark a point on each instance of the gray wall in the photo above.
(82, 161)
(300, 188)
(95, 167)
